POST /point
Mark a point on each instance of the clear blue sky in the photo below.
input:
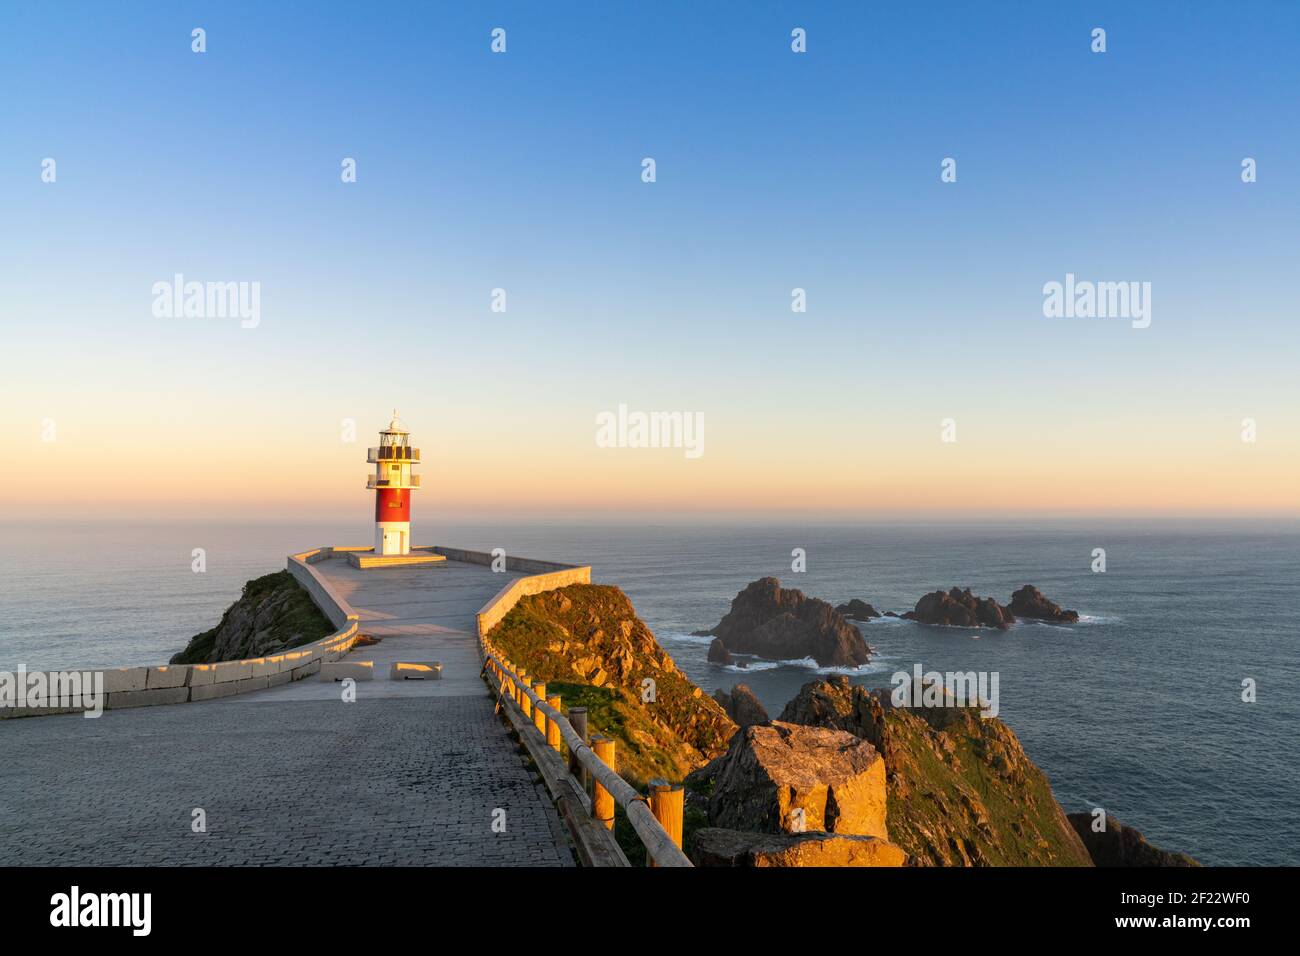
(775, 170)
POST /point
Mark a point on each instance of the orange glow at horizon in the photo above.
(902, 469)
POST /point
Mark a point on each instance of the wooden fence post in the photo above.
(602, 801)
(552, 728)
(578, 721)
(667, 803)
(539, 718)
(525, 704)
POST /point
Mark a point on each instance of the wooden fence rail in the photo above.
(662, 839)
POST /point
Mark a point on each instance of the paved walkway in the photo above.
(423, 612)
(412, 773)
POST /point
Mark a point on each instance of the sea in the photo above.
(1174, 703)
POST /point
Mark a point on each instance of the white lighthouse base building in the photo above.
(392, 537)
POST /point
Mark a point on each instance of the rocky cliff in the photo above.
(742, 705)
(1120, 845)
(588, 644)
(272, 614)
(781, 624)
(961, 791)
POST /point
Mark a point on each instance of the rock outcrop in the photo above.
(857, 610)
(788, 778)
(718, 653)
(273, 613)
(961, 790)
(781, 624)
(587, 641)
(741, 705)
(1029, 602)
(715, 846)
(960, 608)
(1120, 845)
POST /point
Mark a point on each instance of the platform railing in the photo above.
(657, 819)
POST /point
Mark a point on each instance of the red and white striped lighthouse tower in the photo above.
(393, 483)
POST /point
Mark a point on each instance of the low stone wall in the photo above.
(526, 565)
(182, 683)
(322, 594)
(490, 614)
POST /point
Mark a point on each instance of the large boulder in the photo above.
(857, 610)
(1119, 845)
(1031, 603)
(782, 624)
(960, 608)
(742, 705)
(783, 777)
(716, 846)
(718, 653)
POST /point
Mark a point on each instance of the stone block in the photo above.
(200, 675)
(306, 670)
(233, 671)
(148, 698)
(166, 676)
(252, 683)
(213, 691)
(120, 679)
(415, 670)
(266, 666)
(339, 670)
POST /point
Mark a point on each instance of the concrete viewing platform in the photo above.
(419, 613)
(368, 559)
(412, 772)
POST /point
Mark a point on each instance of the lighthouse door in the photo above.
(392, 542)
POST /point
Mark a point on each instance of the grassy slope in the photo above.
(982, 802)
(587, 643)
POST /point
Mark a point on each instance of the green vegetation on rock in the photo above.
(273, 614)
(588, 644)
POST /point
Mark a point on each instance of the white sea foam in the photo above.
(876, 665)
(1099, 619)
(752, 666)
(685, 637)
(885, 620)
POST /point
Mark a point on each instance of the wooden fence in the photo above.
(546, 731)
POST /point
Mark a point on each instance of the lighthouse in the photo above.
(393, 483)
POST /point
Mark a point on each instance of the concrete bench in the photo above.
(341, 670)
(416, 670)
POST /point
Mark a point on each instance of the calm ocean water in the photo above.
(1137, 708)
